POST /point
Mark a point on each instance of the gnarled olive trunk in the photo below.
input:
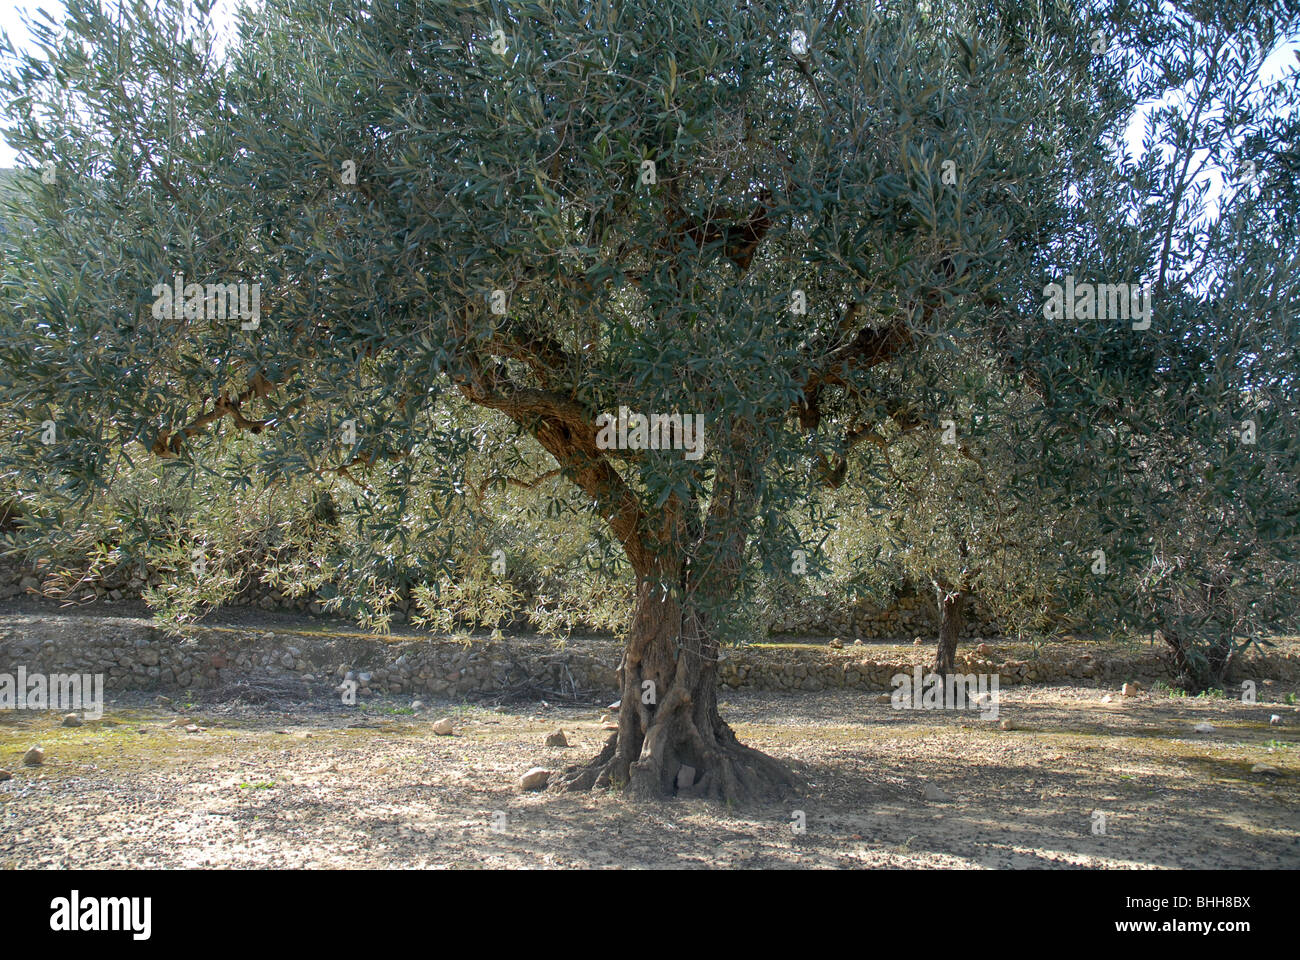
(671, 740)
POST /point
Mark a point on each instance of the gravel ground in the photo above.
(319, 785)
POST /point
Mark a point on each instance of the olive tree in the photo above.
(956, 509)
(1197, 509)
(694, 250)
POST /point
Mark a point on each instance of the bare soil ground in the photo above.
(320, 785)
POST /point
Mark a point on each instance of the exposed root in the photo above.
(671, 740)
(605, 771)
(724, 770)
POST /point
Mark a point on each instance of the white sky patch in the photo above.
(12, 23)
(1278, 64)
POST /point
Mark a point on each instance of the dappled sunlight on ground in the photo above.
(324, 786)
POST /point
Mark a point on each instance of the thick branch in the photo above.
(564, 428)
(168, 443)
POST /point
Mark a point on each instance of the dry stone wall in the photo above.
(134, 655)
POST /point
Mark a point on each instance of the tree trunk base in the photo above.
(671, 741)
(718, 767)
(1196, 669)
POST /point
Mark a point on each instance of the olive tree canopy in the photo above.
(754, 227)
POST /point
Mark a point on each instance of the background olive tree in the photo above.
(1198, 512)
(955, 511)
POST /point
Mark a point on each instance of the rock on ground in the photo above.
(535, 779)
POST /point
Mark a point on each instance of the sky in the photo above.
(223, 15)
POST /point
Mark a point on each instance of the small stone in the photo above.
(934, 793)
(604, 718)
(837, 643)
(1129, 690)
(1203, 728)
(535, 779)
(917, 642)
(983, 649)
(1275, 720)
(34, 757)
(1107, 699)
(417, 705)
(857, 643)
(191, 728)
(685, 777)
(5, 775)
(1008, 724)
(443, 727)
(615, 705)
(1267, 768)
(557, 739)
(71, 720)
